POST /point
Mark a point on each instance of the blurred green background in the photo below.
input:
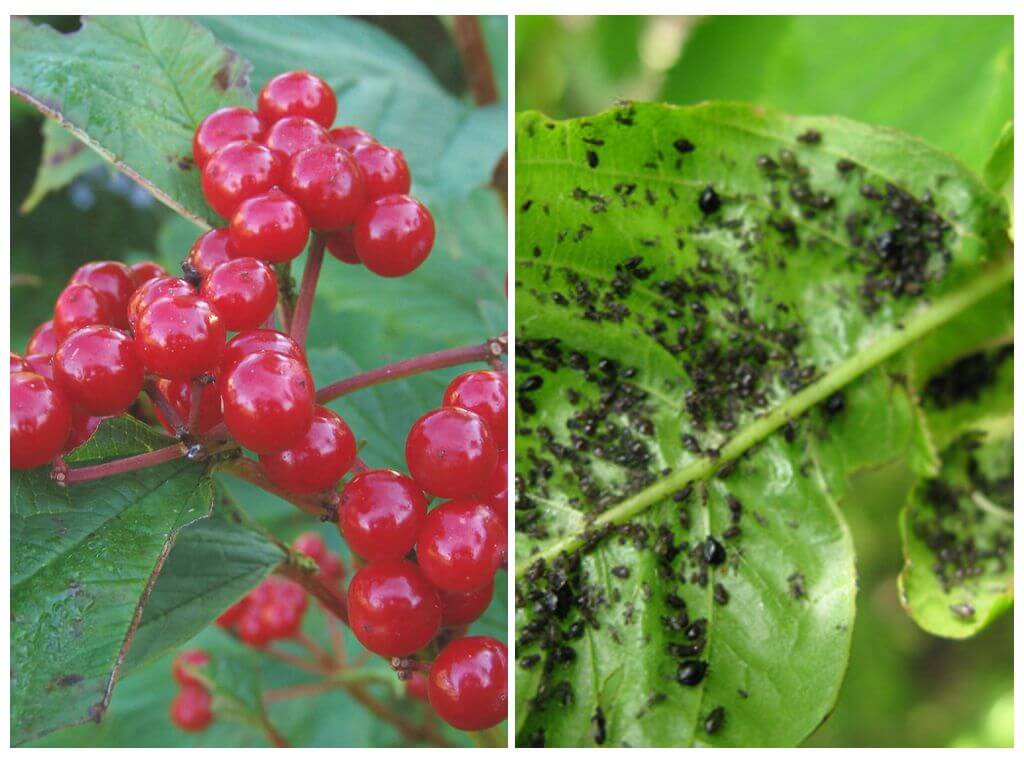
(948, 80)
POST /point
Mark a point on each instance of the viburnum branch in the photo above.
(330, 600)
(65, 476)
(315, 650)
(285, 294)
(469, 39)
(166, 410)
(195, 400)
(304, 305)
(489, 351)
(409, 731)
(294, 660)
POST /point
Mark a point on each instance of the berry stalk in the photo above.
(331, 601)
(469, 39)
(64, 476)
(304, 305)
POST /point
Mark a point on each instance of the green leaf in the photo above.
(746, 354)
(133, 88)
(958, 539)
(817, 65)
(998, 172)
(83, 562)
(64, 158)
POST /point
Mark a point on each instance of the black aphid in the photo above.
(713, 551)
(597, 726)
(620, 572)
(721, 594)
(709, 201)
(592, 159)
(530, 384)
(714, 721)
(683, 146)
(963, 611)
(691, 672)
(810, 136)
(529, 661)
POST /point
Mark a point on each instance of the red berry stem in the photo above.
(64, 476)
(469, 39)
(330, 600)
(196, 401)
(274, 735)
(304, 305)
(292, 659)
(491, 350)
(315, 650)
(165, 408)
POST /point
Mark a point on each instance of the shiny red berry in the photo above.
(180, 337)
(380, 514)
(291, 135)
(312, 545)
(250, 626)
(152, 290)
(349, 137)
(41, 364)
(416, 686)
(144, 271)
(282, 605)
(394, 235)
(222, 127)
(485, 393)
(342, 247)
(178, 395)
(243, 293)
(495, 490)
(450, 452)
(268, 401)
(77, 306)
(327, 183)
(297, 93)
(258, 340)
(468, 683)
(461, 545)
(238, 171)
(40, 420)
(459, 609)
(193, 657)
(212, 249)
(392, 608)
(270, 226)
(192, 709)
(43, 340)
(99, 370)
(114, 282)
(384, 169)
(318, 460)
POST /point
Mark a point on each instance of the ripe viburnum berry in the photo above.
(41, 364)
(450, 452)
(312, 545)
(380, 514)
(268, 401)
(178, 395)
(485, 393)
(297, 93)
(99, 370)
(272, 611)
(342, 247)
(290, 135)
(243, 293)
(327, 183)
(40, 420)
(258, 340)
(270, 226)
(393, 235)
(392, 608)
(192, 657)
(77, 306)
(152, 290)
(210, 250)
(494, 493)
(318, 460)
(459, 609)
(236, 172)
(180, 337)
(384, 169)
(222, 127)
(143, 271)
(192, 709)
(461, 545)
(43, 340)
(113, 281)
(349, 137)
(468, 683)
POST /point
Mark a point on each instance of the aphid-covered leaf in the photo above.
(64, 158)
(711, 306)
(81, 573)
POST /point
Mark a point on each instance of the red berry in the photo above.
(19, 364)
(258, 340)
(154, 289)
(459, 609)
(416, 686)
(297, 93)
(468, 683)
(495, 491)
(99, 370)
(40, 420)
(212, 249)
(461, 545)
(192, 709)
(331, 569)
(230, 617)
(349, 137)
(380, 514)
(77, 306)
(41, 364)
(238, 171)
(384, 170)
(342, 247)
(267, 401)
(270, 226)
(250, 626)
(43, 340)
(485, 393)
(192, 657)
(113, 281)
(450, 452)
(222, 127)
(281, 605)
(290, 135)
(394, 235)
(144, 271)
(83, 427)
(317, 460)
(327, 183)
(310, 544)
(243, 293)
(393, 610)
(180, 337)
(178, 395)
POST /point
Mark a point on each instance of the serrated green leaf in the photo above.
(64, 158)
(728, 334)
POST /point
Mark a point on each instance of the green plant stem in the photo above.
(939, 312)
(304, 305)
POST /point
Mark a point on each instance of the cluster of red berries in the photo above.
(192, 708)
(276, 173)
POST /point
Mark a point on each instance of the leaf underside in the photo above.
(711, 306)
